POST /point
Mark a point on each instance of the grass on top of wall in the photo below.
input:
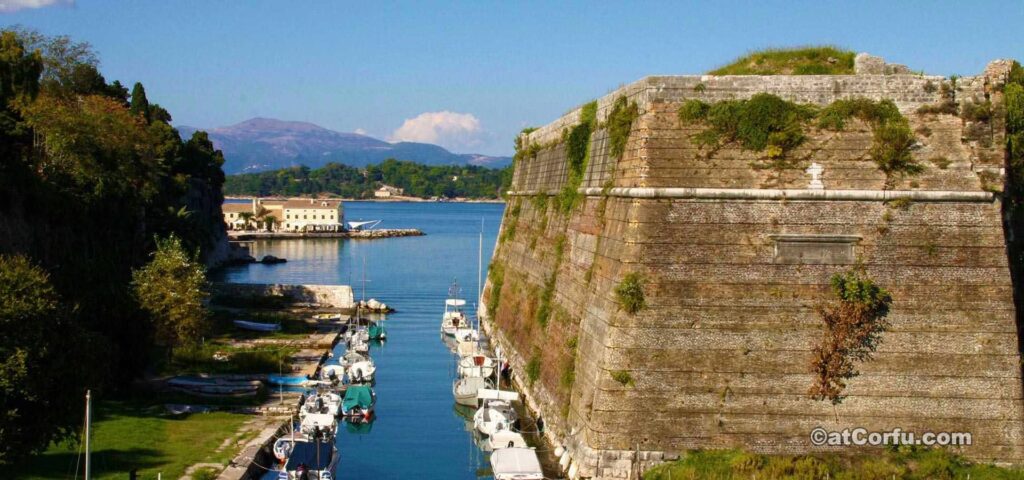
(813, 60)
(902, 463)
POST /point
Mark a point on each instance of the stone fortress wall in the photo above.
(735, 258)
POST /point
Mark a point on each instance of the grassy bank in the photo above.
(898, 463)
(130, 436)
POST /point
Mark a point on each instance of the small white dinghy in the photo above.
(504, 439)
(465, 390)
(516, 464)
(476, 366)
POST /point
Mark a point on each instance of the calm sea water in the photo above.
(417, 433)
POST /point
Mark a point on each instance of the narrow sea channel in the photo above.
(417, 432)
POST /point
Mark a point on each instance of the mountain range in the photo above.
(260, 144)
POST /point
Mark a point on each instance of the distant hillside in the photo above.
(262, 144)
(447, 181)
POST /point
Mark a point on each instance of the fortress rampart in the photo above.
(734, 257)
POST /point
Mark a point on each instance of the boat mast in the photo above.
(479, 276)
(88, 422)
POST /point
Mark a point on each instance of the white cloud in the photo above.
(9, 6)
(360, 131)
(454, 131)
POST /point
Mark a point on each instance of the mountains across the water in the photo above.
(267, 144)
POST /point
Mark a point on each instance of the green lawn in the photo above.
(126, 437)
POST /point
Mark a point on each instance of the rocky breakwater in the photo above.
(354, 234)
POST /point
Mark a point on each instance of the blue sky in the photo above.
(485, 69)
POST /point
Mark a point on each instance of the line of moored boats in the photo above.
(478, 387)
(343, 390)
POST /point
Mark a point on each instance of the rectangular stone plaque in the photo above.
(815, 249)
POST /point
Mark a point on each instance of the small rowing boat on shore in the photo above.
(297, 380)
(257, 326)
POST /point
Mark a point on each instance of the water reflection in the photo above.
(417, 432)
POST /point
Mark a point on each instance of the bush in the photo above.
(630, 293)
(623, 377)
(693, 111)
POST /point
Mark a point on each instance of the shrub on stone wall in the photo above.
(630, 293)
(854, 321)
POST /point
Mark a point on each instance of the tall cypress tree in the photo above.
(139, 105)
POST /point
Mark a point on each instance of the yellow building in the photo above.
(313, 215)
(293, 215)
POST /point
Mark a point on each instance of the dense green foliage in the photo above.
(447, 181)
(792, 61)
(172, 288)
(769, 124)
(630, 293)
(854, 321)
(37, 341)
(85, 187)
(1013, 99)
(902, 462)
(620, 123)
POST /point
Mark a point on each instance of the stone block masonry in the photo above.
(734, 258)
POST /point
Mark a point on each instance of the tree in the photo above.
(172, 288)
(270, 222)
(246, 218)
(41, 361)
(140, 104)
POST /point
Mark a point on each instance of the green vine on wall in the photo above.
(577, 153)
(854, 321)
(1013, 101)
(496, 274)
(766, 123)
(620, 124)
(544, 310)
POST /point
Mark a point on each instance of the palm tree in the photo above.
(245, 217)
(270, 222)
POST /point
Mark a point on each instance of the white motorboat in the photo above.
(303, 458)
(476, 366)
(516, 464)
(332, 372)
(504, 439)
(321, 403)
(318, 425)
(361, 371)
(359, 345)
(465, 390)
(454, 318)
(494, 416)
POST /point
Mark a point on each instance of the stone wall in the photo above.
(331, 296)
(734, 260)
